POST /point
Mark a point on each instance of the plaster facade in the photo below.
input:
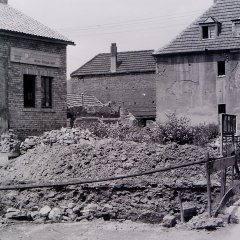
(189, 85)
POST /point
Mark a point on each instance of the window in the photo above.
(29, 90)
(221, 108)
(46, 83)
(236, 29)
(208, 31)
(221, 68)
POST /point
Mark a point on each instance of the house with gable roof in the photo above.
(198, 73)
(125, 78)
(33, 87)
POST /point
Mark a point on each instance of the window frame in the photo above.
(218, 69)
(46, 92)
(26, 100)
(234, 29)
(209, 26)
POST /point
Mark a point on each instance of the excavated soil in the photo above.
(145, 198)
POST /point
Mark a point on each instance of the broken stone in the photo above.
(203, 222)
(151, 217)
(55, 215)
(44, 211)
(169, 221)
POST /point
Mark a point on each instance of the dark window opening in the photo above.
(135, 103)
(205, 32)
(29, 90)
(221, 108)
(46, 83)
(153, 101)
(221, 68)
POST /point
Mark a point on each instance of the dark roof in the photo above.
(12, 20)
(127, 62)
(224, 11)
(77, 100)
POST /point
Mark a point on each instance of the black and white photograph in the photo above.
(119, 120)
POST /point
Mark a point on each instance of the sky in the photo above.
(94, 24)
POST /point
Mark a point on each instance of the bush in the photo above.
(175, 129)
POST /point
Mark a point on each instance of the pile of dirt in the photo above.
(146, 198)
(64, 136)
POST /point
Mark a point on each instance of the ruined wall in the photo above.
(129, 90)
(34, 120)
(191, 86)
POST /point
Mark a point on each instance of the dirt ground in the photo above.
(100, 230)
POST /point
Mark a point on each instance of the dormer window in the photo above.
(236, 27)
(210, 28)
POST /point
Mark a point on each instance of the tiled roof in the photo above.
(12, 20)
(127, 62)
(77, 100)
(224, 11)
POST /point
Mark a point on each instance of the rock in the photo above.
(151, 217)
(76, 209)
(35, 215)
(189, 211)
(203, 222)
(234, 212)
(71, 205)
(55, 215)
(90, 208)
(169, 221)
(44, 211)
(9, 210)
(18, 215)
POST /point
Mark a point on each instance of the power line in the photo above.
(131, 22)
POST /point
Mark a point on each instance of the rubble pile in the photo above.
(146, 198)
(9, 142)
(64, 136)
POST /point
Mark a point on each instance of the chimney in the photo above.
(113, 57)
(4, 1)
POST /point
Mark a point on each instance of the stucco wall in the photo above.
(129, 90)
(190, 86)
(34, 120)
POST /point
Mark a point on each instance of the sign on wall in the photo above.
(27, 56)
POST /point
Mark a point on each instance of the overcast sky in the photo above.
(94, 24)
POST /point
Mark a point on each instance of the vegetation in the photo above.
(175, 129)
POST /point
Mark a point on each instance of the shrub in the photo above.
(175, 129)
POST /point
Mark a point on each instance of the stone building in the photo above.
(126, 78)
(32, 74)
(199, 72)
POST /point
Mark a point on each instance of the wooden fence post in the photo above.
(181, 206)
(208, 176)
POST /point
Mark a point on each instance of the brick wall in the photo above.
(129, 90)
(35, 120)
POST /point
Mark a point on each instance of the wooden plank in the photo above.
(181, 206)
(208, 176)
(222, 163)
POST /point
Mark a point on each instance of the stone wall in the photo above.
(129, 90)
(34, 120)
(190, 85)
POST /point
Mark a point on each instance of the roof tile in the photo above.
(224, 11)
(13, 20)
(127, 62)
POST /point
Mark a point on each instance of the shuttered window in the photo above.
(46, 83)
